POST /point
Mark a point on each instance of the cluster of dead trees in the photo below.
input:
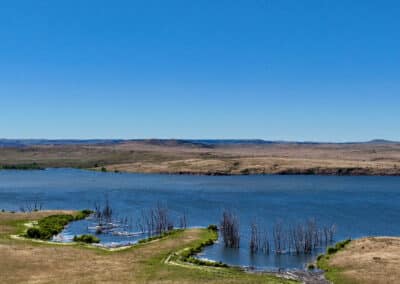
(31, 206)
(229, 228)
(299, 238)
(155, 221)
(103, 213)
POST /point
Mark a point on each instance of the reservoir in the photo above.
(356, 206)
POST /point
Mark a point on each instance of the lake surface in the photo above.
(359, 206)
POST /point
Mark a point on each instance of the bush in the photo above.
(331, 250)
(33, 233)
(311, 266)
(32, 166)
(212, 228)
(342, 244)
(89, 239)
(338, 246)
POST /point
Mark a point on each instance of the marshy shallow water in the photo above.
(359, 206)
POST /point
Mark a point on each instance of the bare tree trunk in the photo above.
(230, 230)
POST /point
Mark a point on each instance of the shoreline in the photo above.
(290, 172)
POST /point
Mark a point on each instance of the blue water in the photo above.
(359, 206)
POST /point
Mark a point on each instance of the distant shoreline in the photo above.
(183, 157)
(319, 172)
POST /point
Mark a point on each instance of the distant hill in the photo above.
(168, 142)
(382, 141)
(33, 142)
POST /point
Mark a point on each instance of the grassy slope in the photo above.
(30, 262)
(333, 274)
(368, 260)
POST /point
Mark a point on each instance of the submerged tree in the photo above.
(266, 245)
(155, 221)
(183, 222)
(230, 230)
(32, 205)
(255, 239)
(103, 213)
(278, 234)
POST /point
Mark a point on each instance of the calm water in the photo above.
(359, 206)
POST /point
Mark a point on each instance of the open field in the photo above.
(367, 261)
(24, 261)
(183, 157)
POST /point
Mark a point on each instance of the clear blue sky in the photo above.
(316, 70)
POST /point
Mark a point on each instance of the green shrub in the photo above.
(331, 250)
(337, 247)
(212, 228)
(33, 233)
(32, 166)
(311, 266)
(342, 244)
(89, 239)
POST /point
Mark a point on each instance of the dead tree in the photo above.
(329, 233)
(266, 246)
(230, 230)
(255, 240)
(107, 211)
(183, 220)
(297, 238)
(279, 237)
